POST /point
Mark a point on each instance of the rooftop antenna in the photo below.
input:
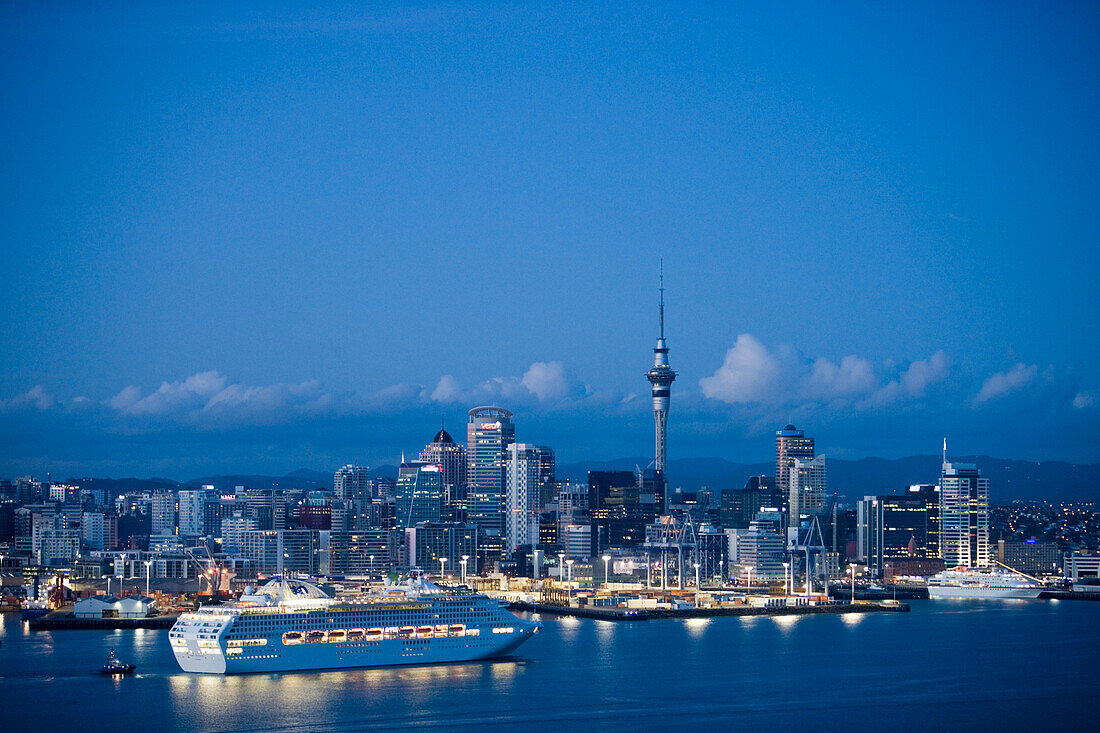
(945, 450)
(661, 288)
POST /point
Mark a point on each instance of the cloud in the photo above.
(191, 393)
(1002, 383)
(448, 390)
(1082, 400)
(547, 381)
(36, 397)
(782, 377)
(750, 373)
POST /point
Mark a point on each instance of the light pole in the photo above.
(442, 564)
(561, 567)
(372, 567)
(606, 558)
(785, 586)
(647, 583)
(748, 590)
(852, 570)
(148, 574)
(108, 577)
(696, 584)
(464, 559)
(569, 565)
(535, 569)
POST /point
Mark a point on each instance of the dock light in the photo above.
(442, 564)
(569, 566)
(463, 563)
(696, 565)
(606, 558)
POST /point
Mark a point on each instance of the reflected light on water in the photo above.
(851, 619)
(786, 622)
(696, 627)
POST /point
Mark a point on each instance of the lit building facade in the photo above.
(790, 443)
(525, 479)
(419, 493)
(489, 432)
(964, 516)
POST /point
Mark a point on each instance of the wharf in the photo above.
(65, 621)
(1069, 595)
(645, 614)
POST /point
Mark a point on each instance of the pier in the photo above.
(58, 622)
(645, 614)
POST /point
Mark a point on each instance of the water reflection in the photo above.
(851, 619)
(696, 627)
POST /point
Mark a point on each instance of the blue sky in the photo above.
(261, 238)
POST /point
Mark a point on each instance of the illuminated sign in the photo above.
(490, 425)
(431, 469)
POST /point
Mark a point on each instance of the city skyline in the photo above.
(377, 217)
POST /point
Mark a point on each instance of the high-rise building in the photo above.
(233, 530)
(893, 528)
(367, 552)
(192, 511)
(615, 509)
(451, 457)
(351, 483)
(790, 443)
(660, 378)
(163, 518)
(529, 469)
(267, 507)
(489, 432)
(99, 531)
(419, 493)
(964, 515)
(427, 542)
(282, 550)
(806, 488)
(315, 511)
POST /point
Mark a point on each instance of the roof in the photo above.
(443, 437)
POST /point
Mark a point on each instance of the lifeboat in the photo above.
(356, 634)
(406, 632)
(292, 637)
(337, 636)
(374, 634)
(424, 632)
(315, 637)
(458, 629)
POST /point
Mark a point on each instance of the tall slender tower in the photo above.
(661, 377)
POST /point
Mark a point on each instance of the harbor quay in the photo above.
(645, 614)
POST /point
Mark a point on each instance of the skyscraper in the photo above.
(352, 487)
(790, 443)
(806, 484)
(444, 452)
(525, 478)
(964, 515)
(419, 493)
(489, 432)
(661, 377)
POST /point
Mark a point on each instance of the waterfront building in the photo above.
(616, 512)
(489, 432)
(661, 377)
(99, 531)
(163, 517)
(55, 546)
(1034, 557)
(529, 469)
(364, 552)
(893, 528)
(192, 511)
(282, 550)
(964, 515)
(761, 547)
(427, 542)
(419, 493)
(1082, 565)
(790, 443)
(806, 488)
(267, 507)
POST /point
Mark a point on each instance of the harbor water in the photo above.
(947, 665)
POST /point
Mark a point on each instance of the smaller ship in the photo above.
(115, 667)
(31, 610)
(973, 583)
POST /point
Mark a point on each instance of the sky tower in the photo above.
(661, 377)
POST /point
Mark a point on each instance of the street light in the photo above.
(696, 585)
(569, 565)
(786, 588)
(372, 567)
(535, 569)
(647, 571)
(561, 567)
(606, 558)
(108, 577)
(748, 590)
(442, 564)
(148, 574)
(852, 571)
(464, 559)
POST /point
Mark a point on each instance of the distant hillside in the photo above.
(1008, 480)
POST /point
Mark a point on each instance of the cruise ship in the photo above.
(973, 583)
(292, 625)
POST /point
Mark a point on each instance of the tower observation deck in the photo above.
(661, 377)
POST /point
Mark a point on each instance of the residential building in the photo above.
(964, 516)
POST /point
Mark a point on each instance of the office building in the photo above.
(283, 551)
(616, 511)
(418, 494)
(489, 432)
(895, 528)
(529, 470)
(429, 541)
(964, 515)
(364, 553)
(806, 491)
(267, 507)
(451, 458)
(163, 517)
(1034, 557)
(790, 443)
(192, 508)
(99, 531)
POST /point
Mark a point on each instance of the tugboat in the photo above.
(115, 667)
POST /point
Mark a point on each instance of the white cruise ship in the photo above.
(972, 583)
(293, 625)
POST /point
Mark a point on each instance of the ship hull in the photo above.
(315, 657)
(947, 592)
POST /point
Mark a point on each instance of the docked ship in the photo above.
(991, 583)
(291, 625)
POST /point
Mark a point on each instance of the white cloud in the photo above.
(1002, 383)
(36, 397)
(191, 393)
(749, 373)
(448, 390)
(547, 381)
(913, 383)
(1082, 400)
(828, 381)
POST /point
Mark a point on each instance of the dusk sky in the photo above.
(256, 240)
